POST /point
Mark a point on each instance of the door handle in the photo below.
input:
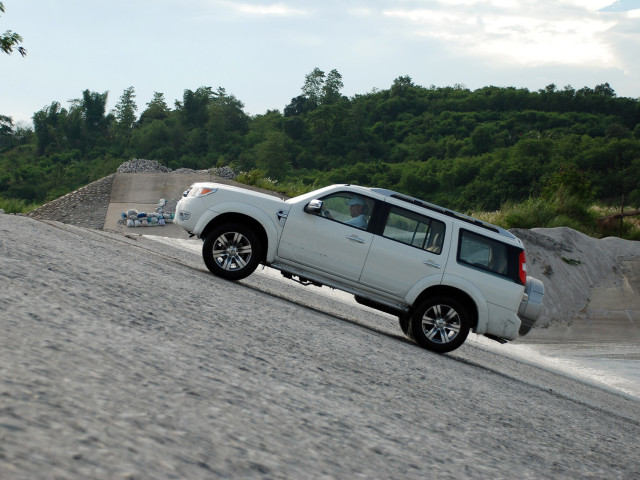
(355, 238)
(432, 263)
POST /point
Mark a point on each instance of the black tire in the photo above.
(404, 321)
(440, 324)
(231, 251)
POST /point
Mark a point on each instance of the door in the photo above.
(333, 241)
(410, 248)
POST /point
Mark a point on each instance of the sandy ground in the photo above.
(121, 357)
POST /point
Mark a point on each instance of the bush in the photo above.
(15, 205)
(531, 213)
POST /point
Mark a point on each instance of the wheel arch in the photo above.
(242, 219)
(449, 291)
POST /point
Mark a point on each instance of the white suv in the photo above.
(442, 273)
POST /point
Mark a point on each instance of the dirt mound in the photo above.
(590, 284)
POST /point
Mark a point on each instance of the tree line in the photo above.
(465, 149)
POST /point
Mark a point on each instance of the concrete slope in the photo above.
(142, 191)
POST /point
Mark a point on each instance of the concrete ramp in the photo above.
(142, 191)
(148, 188)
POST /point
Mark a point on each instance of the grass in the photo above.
(14, 205)
(541, 213)
(289, 188)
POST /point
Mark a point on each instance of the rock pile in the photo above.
(85, 207)
(140, 165)
(224, 172)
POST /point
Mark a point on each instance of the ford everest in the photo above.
(441, 272)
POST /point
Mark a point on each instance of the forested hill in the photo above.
(449, 145)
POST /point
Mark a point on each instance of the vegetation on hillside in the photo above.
(544, 158)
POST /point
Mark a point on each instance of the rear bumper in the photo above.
(531, 304)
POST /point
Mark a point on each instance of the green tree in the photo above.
(482, 138)
(273, 157)
(157, 109)
(126, 113)
(313, 86)
(195, 106)
(569, 181)
(9, 40)
(93, 107)
(331, 88)
(47, 126)
(87, 123)
(6, 125)
(401, 86)
(154, 140)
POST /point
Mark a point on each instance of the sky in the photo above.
(261, 51)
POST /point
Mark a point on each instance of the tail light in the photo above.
(522, 268)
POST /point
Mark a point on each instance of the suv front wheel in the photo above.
(439, 324)
(231, 251)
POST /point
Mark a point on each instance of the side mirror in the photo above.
(314, 206)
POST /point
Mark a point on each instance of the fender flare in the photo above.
(422, 285)
(461, 284)
(238, 208)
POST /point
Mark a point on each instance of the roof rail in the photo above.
(443, 211)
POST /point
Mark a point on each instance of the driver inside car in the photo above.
(357, 209)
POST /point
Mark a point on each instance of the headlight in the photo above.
(201, 191)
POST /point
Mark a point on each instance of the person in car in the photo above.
(358, 212)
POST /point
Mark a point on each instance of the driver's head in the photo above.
(356, 206)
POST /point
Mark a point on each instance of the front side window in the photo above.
(348, 208)
(415, 230)
(482, 252)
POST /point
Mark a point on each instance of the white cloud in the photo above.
(276, 9)
(528, 36)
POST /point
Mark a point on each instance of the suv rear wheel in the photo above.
(440, 324)
(231, 251)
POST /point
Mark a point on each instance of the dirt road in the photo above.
(123, 358)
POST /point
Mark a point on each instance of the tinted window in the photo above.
(483, 252)
(415, 230)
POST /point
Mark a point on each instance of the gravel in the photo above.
(123, 358)
(140, 165)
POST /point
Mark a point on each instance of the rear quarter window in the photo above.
(482, 252)
(414, 229)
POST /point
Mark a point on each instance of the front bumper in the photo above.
(188, 211)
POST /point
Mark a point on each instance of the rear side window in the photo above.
(415, 230)
(482, 252)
